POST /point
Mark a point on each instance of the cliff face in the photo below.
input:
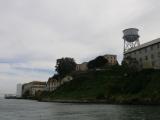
(111, 86)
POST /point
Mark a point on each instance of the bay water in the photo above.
(32, 110)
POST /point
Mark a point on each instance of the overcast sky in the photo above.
(34, 33)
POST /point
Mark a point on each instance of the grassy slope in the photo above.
(112, 86)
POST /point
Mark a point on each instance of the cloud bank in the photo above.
(34, 33)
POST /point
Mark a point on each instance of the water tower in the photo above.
(131, 38)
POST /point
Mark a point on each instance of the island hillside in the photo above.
(113, 85)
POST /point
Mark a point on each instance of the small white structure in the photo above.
(19, 91)
(82, 67)
(53, 84)
(67, 79)
(112, 59)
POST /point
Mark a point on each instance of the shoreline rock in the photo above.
(99, 102)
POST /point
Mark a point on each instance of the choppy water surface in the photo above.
(32, 110)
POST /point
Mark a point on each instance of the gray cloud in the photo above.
(34, 33)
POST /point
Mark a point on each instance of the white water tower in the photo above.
(131, 38)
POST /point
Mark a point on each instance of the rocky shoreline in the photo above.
(142, 102)
(74, 101)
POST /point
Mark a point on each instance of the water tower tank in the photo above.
(131, 34)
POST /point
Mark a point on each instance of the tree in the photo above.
(98, 62)
(55, 76)
(65, 66)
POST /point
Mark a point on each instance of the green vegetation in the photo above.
(125, 84)
(113, 85)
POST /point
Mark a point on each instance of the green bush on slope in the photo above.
(113, 86)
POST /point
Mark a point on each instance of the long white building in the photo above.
(147, 54)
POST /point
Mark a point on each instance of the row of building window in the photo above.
(112, 58)
(113, 61)
(146, 49)
(153, 62)
(152, 57)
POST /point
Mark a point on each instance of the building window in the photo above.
(135, 52)
(145, 50)
(146, 57)
(158, 54)
(153, 63)
(152, 56)
(140, 59)
(139, 51)
(158, 45)
(127, 56)
(151, 47)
